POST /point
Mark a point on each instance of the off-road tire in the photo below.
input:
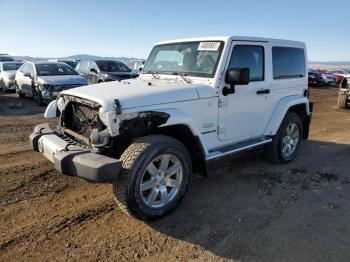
(135, 160)
(273, 151)
(18, 92)
(342, 101)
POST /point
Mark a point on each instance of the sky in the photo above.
(48, 28)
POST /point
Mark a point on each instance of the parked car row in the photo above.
(99, 71)
(45, 79)
(320, 77)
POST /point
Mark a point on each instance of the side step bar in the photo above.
(232, 149)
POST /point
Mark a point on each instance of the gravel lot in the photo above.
(246, 210)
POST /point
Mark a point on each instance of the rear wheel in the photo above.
(285, 145)
(18, 92)
(156, 175)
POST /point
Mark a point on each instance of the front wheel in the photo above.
(38, 99)
(156, 174)
(2, 84)
(18, 92)
(286, 143)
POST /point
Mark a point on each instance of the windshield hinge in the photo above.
(222, 129)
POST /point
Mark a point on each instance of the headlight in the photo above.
(60, 104)
(44, 86)
(103, 115)
(110, 76)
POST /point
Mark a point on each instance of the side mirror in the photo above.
(93, 70)
(236, 76)
(28, 75)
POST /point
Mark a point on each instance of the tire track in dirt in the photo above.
(51, 229)
(41, 184)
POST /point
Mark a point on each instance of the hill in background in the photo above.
(312, 64)
(76, 57)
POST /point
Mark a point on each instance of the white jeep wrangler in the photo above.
(197, 100)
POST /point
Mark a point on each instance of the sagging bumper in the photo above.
(10, 84)
(71, 159)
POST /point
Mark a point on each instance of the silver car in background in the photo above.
(44, 80)
(7, 74)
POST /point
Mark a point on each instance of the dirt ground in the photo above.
(246, 210)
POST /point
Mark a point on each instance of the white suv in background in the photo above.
(8, 72)
(197, 100)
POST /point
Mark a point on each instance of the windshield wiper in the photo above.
(154, 74)
(183, 76)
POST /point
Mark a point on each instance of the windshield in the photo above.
(54, 69)
(5, 58)
(11, 66)
(70, 63)
(112, 66)
(190, 58)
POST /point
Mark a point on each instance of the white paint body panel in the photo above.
(242, 116)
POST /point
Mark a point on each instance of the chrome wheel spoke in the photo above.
(147, 185)
(152, 196)
(173, 169)
(164, 162)
(163, 195)
(172, 183)
(152, 170)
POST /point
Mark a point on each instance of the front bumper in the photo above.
(72, 159)
(10, 84)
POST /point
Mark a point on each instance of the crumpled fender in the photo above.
(178, 117)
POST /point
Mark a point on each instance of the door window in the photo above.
(122, 67)
(92, 65)
(30, 69)
(249, 56)
(288, 62)
(23, 68)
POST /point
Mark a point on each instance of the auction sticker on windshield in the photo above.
(208, 46)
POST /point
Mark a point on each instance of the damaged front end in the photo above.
(88, 123)
(89, 141)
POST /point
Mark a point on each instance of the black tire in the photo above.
(136, 159)
(18, 92)
(37, 97)
(273, 151)
(342, 101)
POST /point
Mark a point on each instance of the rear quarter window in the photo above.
(288, 62)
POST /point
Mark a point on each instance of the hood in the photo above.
(139, 93)
(11, 72)
(63, 80)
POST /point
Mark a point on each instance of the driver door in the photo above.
(27, 82)
(244, 114)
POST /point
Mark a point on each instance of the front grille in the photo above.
(82, 118)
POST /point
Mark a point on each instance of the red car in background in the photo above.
(339, 74)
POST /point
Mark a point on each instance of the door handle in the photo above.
(263, 91)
